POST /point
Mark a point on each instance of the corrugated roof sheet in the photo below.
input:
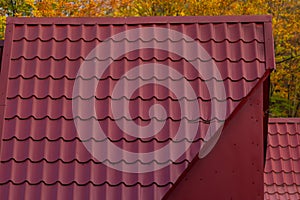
(43, 157)
(282, 170)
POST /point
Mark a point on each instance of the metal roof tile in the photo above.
(282, 169)
(43, 156)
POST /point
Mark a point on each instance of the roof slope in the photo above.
(282, 170)
(43, 156)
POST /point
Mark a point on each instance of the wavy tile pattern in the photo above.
(42, 155)
(282, 170)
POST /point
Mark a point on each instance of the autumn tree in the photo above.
(77, 8)
(285, 87)
(14, 8)
(70, 8)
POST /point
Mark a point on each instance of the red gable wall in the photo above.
(234, 169)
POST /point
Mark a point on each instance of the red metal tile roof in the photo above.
(282, 170)
(43, 156)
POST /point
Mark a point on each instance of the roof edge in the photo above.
(139, 20)
(284, 120)
(4, 74)
(269, 46)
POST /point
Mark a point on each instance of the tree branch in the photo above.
(287, 59)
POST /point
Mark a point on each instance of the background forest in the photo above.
(285, 81)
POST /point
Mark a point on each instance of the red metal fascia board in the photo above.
(141, 20)
(4, 73)
(284, 120)
(266, 96)
(269, 45)
(1, 52)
